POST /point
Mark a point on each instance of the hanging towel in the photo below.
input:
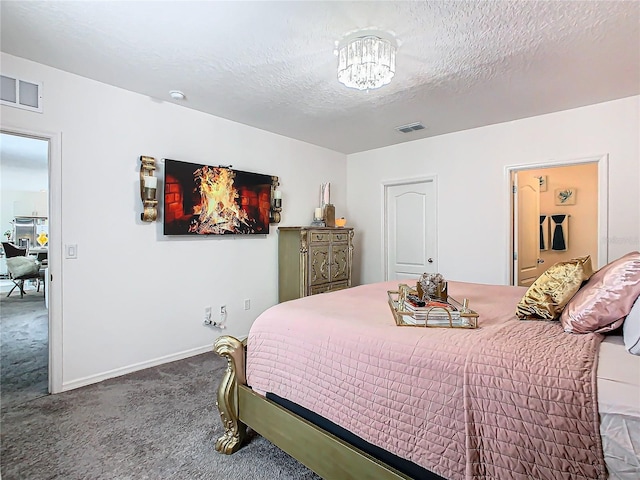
(560, 239)
(544, 232)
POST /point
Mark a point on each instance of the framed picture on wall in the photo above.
(543, 182)
(565, 196)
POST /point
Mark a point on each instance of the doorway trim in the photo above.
(54, 287)
(603, 202)
(384, 189)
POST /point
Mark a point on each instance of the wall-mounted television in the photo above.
(213, 200)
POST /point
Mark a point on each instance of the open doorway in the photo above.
(560, 216)
(24, 222)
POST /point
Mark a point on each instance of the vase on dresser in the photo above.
(313, 260)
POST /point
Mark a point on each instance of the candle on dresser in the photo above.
(318, 214)
(277, 195)
(150, 181)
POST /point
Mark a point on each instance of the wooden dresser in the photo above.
(313, 260)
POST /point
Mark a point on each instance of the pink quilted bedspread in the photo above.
(509, 400)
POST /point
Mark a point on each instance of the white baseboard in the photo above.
(83, 382)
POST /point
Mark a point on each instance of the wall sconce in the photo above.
(276, 201)
(148, 189)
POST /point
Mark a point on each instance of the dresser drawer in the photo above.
(319, 289)
(339, 236)
(318, 236)
(329, 287)
(338, 286)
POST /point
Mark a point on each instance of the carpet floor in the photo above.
(24, 346)
(158, 423)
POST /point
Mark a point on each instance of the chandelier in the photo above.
(366, 62)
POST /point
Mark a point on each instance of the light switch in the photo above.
(71, 251)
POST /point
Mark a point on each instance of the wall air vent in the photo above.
(411, 127)
(21, 94)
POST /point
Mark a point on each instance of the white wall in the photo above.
(134, 297)
(473, 209)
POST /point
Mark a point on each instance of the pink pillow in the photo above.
(602, 304)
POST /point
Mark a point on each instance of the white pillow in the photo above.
(631, 330)
(21, 266)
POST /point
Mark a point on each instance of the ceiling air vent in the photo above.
(21, 94)
(411, 127)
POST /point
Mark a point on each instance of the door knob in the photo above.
(430, 260)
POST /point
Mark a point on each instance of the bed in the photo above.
(331, 376)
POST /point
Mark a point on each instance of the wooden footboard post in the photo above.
(227, 402)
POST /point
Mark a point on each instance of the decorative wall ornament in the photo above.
(543, 182)
(148, 189)
(276, 201)
(565, 196)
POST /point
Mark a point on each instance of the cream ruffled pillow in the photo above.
(22, 266)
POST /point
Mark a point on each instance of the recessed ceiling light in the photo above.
(176, 95)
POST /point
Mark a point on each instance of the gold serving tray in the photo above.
(433, 317)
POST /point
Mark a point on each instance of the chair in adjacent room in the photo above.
(11, 250)
(21, 267)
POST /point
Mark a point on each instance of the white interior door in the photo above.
(527, 231)
(410, 234)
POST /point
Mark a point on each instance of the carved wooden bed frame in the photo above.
(322, 452)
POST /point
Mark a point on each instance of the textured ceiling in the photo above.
(460, 64)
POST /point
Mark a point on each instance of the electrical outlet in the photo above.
(247, 304)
